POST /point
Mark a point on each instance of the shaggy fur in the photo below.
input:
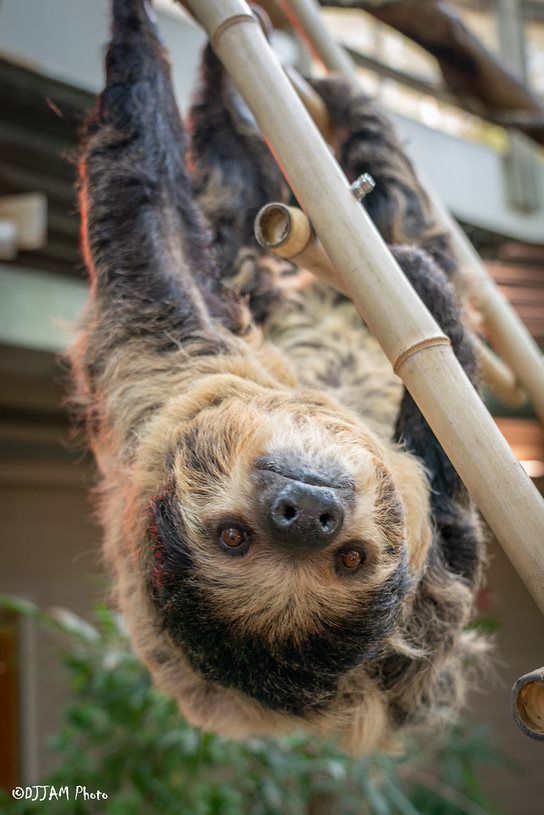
(367, 143)
(193, 412)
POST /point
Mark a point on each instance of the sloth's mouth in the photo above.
(295, 471)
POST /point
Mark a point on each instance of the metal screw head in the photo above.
(362, 186)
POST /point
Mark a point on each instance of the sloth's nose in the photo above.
(303, 516)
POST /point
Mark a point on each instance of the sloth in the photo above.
(289, 545)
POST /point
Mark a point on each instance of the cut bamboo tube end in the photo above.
(287, 232)
(284, 230)
(528, 704)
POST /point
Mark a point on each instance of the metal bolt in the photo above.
(362, 186)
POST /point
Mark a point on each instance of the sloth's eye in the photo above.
(349, 559)
(234, 539)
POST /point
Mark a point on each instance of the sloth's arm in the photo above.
(145, 246)
(156, 299)
(456, 533)
(367, 143)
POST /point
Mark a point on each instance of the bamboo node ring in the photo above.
(230, 21)
(429, 342)
(362, 186)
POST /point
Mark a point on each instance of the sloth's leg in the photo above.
(456, 531)
(367, 143)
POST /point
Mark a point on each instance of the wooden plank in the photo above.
(518, 275)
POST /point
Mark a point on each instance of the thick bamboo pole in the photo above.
(507, 332)
(496, 375)
(287, 232)
(389, 305)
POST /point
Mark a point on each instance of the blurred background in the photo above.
(491, 178)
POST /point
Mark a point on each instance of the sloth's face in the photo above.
(280, 547)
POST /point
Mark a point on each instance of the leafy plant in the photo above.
(121, 736)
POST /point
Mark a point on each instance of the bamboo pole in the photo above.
(312, 100)
(306, 19)
(287, 232)
(528, 704)
(496, 375)
(408, 334)
(313, 103)
(507, 332)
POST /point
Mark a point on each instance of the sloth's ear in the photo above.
(169, 553)
(413, 486)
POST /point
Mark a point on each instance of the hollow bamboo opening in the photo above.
(528, 704)
(282, 229)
